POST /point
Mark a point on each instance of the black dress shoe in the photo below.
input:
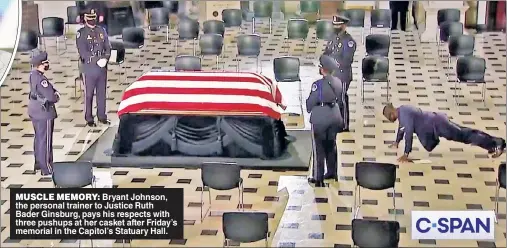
(346, 130)
(335, 177)
(320, 184)
(311, 180)
(91, 124)
(45, 174)
(105, 122)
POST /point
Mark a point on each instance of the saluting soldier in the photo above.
(342, 48)
(42, 113)
(94, 52)
(326, 120)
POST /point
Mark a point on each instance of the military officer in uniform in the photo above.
(94, 52)
(430, 126)
(42, 112)
(342, 48)
(326, 120)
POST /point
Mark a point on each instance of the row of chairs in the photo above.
(249, 227)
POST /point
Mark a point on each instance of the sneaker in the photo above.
(499, 149)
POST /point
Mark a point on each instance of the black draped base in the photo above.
(168, 135)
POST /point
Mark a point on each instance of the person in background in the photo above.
(94, 51)
(342, 48)
(326, 120)
(42, 113)
(429, 126)
(401, 8)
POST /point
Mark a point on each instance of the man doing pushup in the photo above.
(430, 126)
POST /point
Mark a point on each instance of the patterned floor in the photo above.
(459, 177)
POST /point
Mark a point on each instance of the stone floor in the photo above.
(459, 177)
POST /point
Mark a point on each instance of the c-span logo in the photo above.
(477, 225)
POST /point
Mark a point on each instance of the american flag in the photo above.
(203, 93)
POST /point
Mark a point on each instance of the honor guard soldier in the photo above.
(326, 119)
(430, 126)
(342, 47)
(42, 112)
(94, 52)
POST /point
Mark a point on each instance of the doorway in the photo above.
(495, 20)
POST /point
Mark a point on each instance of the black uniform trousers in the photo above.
(454, 132)
(324, 151)
(43, 145)
(400, 7)
(344, 107)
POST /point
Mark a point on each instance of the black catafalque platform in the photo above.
(188, 141)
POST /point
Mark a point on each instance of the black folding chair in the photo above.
(380, 18)
(220, 176)
(356, 17)
(232, 17)
(500, 183)
(374, 176)
(287, 70)
(118, 49)
(53, 27)
(375, 233)
(245, 227)
(447, 15)
(213, 27)
(187, 63)
(212, 44)
(188, 29)
(249, 45)
(375, 69)
(460, 46)
(262, 9)
(297, 29)
(72, 15)
(159, 18)
(470, 70)
(378, 44)
(448, 29)
(133, 38)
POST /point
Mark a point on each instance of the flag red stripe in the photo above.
(194, 91)
(208, 107)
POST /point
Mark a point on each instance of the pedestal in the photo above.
(431, 8)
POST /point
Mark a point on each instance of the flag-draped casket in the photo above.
(224, 114)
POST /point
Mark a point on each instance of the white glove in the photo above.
(102, 63)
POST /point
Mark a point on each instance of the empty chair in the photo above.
(133, 38)
(448, 29)
(459, 46)
(375, 69)
(471, 69)
(212, 44)
(159, 18)
(324, 30)
(378, 44)
(214, 27)
(28, 41)
(118, 57)
(374, 176)
(309, 7)
(220, 176)
(287, 72)
(72, 15)
(245, 227)
(187, 63)
(232, 17)
(188, 29)
(72, 174)
(297, 29)
(356, 17)
(262, 9)
(380, 18)
(249, 45)
(447, 15)
(53, 27)
(500, 183)
(375, 233)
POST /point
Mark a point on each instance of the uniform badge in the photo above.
(314, 87)
(44, 83)
(101, 36)
(78, 35)
(351, 44)
(89, 37)
(339, 45)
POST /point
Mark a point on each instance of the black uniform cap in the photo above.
(329, 63)
(339, 19)
(39, 58)
(90, 13)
